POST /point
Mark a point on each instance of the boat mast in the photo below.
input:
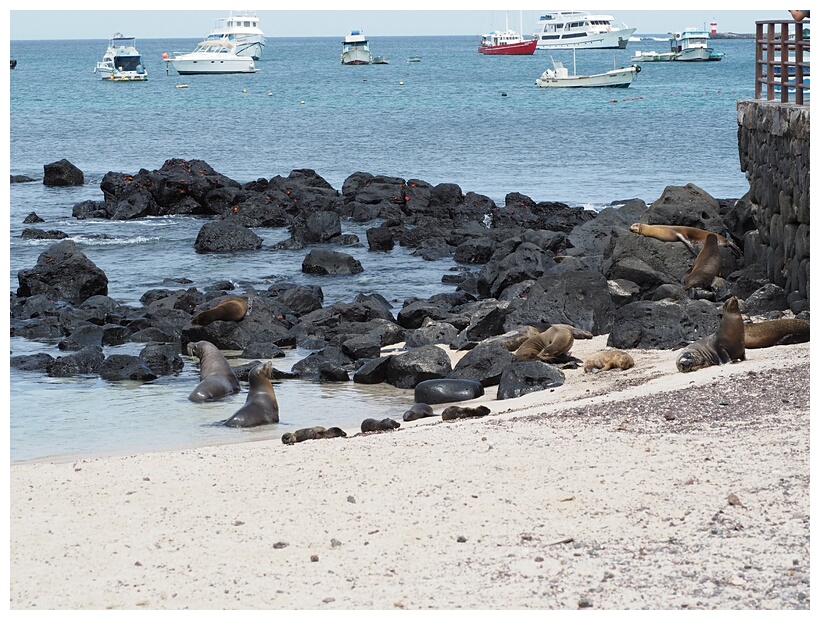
(574, 71)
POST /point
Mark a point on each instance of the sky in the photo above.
(95, 20)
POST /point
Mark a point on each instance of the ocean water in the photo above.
(456, 116)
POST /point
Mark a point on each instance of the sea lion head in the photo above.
(636, 228)
(334, 431)
(731, 305)
(688, 361)
(288, 438)
(193, 349)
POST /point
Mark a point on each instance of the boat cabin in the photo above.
(689, 39)
(572, 24)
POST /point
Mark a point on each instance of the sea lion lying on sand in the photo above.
(609, 360)
(371, 425)
(314, 432)
(727, 344)
(548, 345)
(774, 332)
(454, 412)
(417, 411)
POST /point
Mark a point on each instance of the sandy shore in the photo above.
(646, 488)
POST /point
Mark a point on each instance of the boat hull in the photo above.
(617, 78)
(525, 48)
(356, 57)
(196, 66)
(617, 39)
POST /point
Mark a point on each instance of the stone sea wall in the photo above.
(773, 141)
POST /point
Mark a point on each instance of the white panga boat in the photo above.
(559, 77)
(216, 56)
(580, 29)
(691, 45)
(121, 62)
(356, 49)
(243, 31)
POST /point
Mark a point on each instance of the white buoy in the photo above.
(401, 83)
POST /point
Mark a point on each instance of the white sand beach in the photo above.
(641, 489)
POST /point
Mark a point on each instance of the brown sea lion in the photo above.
(609, 360)
(371, 424)
(455, 412)
(776, 331)
(706, 267)
(417, 411)
(548, 345)
(261, 406)
(230, 309)
(314, 432)
(686, 234)
(726, 345)
(514, 338)
(216, 377)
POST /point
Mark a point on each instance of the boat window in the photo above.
(127, 63)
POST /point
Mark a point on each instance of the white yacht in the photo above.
(356, 49)
(243, 31)
(580, 29)
(121, 62)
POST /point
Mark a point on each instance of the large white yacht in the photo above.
(243, 31)
(121, 62)
(356, 49)
(215, 56)
(580, 29)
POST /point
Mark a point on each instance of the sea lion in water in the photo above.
(727, 344)
(417, 411)
(371, 424)
(609, 360)
(686, 234)
(454, 412)
(216, 377)
(548, 345)
(774, 332)
(706, 267)
(261, 406)
(314, 432)
(230, 309)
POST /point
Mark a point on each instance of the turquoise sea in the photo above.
(457, 116)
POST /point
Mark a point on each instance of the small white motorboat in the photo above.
(121, 62)
(559, 77)
(211, 56)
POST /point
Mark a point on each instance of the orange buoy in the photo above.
(165, 55)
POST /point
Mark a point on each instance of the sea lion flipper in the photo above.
(687, 243)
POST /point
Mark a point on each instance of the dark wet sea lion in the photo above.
(418, 411)
(261, 406)
(216, 377)
(230, 309)
(688, 235)
(548, 345)
(609, 360)
(706, 267)
(776, 331)
(454, 412)
(371, 424)
(314, 432)
(726, 345)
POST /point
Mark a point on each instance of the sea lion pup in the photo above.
(686, 234)
(216, 377)
(609, 360)
(774, 332)
(548, 345)
(417, 411)
(706, 267)
(314, 432)
(230, 309)
(261, 406)
(727, 344)
(454, 412)
(371, 424)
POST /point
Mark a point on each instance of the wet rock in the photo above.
(523, 378)
(226, 236)
(63, 272)
(321, 261)
(62, 173)
(126, 367)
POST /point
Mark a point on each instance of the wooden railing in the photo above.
(782, 56)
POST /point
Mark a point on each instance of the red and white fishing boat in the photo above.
(509, 43)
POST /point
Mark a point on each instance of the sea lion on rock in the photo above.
(548, 345)
(609, 360)
(314, 432)
(216, 377)
(727, 344)
(230, 309)
(706, 267)
(371, 424)
(774, 332)
(454, 412)
(687, 234)
(418, 411)
(261, 406)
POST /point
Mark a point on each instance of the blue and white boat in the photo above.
(121, 62)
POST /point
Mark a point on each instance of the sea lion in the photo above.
(314, 432)
(454, 412)
(686, 234)
(706, 267)
(417, 411)
(230, 309)
(261, 406)
(609, 360)
(727, 344)
(514, 338)
(371, 424)
(216, 377)
(548, 345)
(776, 331)
(436, 391)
